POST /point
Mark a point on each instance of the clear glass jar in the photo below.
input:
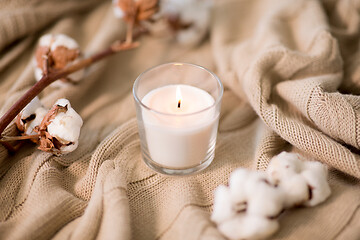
(177, 109)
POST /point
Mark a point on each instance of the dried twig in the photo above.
(18, 138)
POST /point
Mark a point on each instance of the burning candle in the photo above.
(182, 139)
(178, 126)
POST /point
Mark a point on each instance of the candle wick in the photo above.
(179, 103)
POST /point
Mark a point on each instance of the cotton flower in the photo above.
(65, 127)
(237, 184)
(253, 188)
(249, 207)
(60, 50)
(186, 20)
(263, 199)
(304, 182)
(30, 117)
(223, 205)
(190, 19)
(245, 209)
(315, 175)
(56, 130)
(283, 170)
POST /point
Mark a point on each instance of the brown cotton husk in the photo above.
(56, 59)
(61, 56)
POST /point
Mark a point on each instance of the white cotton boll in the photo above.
(223, 209)
(237, 183)
(266, 202)
(294, 175)
(262, 196)
(283, 171)
(320, 189)
(65, 127)
(296, 190)
(316, 177)
(199, 16)
(195, 13)
(283, 165)
(58, 59)
(248, 227)
(315, 166)
(263, 199)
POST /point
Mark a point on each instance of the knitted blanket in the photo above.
(291, 71)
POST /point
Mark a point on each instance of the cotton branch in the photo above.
(47, 79)
(134, 13)
(51, 76)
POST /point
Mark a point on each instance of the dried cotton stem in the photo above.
(46, 80)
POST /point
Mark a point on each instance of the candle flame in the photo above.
(178, 96)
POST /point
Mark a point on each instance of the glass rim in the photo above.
(217, 101)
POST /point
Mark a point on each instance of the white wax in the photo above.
(179, 137)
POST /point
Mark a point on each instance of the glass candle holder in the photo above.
(177, 109)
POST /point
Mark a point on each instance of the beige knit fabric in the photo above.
(291, 71)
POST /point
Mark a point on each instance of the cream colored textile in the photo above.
(290, 69)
